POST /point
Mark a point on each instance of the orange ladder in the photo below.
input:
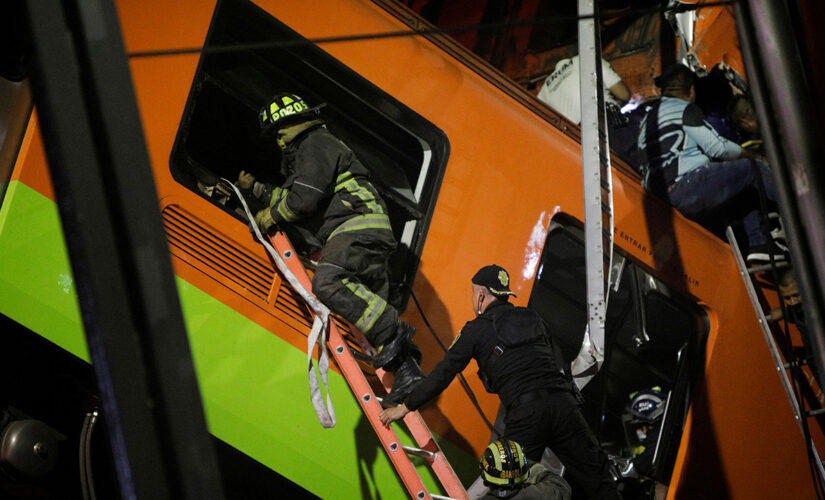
(399, 454)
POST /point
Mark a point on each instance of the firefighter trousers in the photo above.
(353, 281)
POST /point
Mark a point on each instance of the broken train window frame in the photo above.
(219, 135)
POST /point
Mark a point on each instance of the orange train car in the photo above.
(475, 170)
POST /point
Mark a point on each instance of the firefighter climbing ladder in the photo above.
(782, 367)
(294, 271)
(398, 453)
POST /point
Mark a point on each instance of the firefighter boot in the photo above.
(407, 376)
(394, 349)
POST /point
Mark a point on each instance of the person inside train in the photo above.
(743, 117)
(714, 94)
(789, 290)
(561, 90)
(642, 420)
(708, 178)
(210, 187)
(728, 107)
(328, 191)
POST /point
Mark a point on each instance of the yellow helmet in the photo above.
(286, 109)
(503, 464)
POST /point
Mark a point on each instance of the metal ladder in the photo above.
(399, 454)
(782, 367)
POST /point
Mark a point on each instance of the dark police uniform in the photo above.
(328, 190)
(516, 362)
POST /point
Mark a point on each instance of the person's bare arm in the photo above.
(620, 91)
(392, 414)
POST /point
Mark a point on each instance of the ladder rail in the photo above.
(763, 324)
(779, 364)
(424, 438)
(371, 406)
(289, 263)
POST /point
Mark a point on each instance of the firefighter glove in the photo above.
(264, 219)
(245, 180)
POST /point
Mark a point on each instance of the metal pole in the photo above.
(120, 260)
(782, 103)
(598, 201)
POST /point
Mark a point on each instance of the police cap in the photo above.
(494, 278)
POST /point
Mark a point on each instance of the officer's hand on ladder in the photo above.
(392, 414)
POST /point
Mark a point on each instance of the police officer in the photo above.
(328, 191)
(516, 361)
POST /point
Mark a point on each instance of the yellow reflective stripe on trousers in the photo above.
(375, 305)
(346, 181)
(368, 221)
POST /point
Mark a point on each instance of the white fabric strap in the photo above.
(320, 325)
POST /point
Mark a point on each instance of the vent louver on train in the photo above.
(291, 304)
(194, 241)
(198, 241)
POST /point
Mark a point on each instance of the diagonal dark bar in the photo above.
(109, 210)
(783, 105)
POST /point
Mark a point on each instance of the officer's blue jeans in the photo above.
(726, 192)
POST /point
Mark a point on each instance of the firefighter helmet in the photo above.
(646, 406)
(286, 109)
(503, 464)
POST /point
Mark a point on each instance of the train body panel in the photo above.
(510, 178)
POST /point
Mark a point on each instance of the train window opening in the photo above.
(537, 37)
(654, 337)
(527, 52)
(219, 133)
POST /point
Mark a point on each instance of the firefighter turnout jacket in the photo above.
(324, 177)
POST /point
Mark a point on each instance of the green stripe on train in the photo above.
(36, 284)
(254, 384)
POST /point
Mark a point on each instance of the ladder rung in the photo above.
(765, 267)
(814, 413)
(419, 452)
(381, 402)
(794, 364)
(360, 356)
